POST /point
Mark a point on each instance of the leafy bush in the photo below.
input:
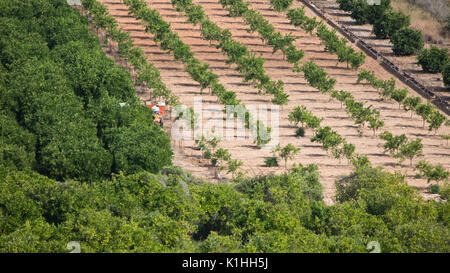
(271, 162)
(433, 60)
(300, 132)
(434, 188)
(171, 211)
(64, 95)
(445, 191)
(406, 41)
(288, 152)
(446, 75)
(200, 71)
(389, 23)
(431, 172)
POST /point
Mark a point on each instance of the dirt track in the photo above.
(173, 74)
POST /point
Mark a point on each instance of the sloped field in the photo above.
(397, 121)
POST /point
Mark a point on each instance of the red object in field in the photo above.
(161, 108)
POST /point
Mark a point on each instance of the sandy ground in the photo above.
(396, 121)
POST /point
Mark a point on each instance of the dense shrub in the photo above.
(406, 42)
(140, 147)
(434, 188)
(375, 9)
(61, 96)
(389, 23)
(446, 74)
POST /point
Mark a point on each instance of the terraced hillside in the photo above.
(173, 73)
(407, 63)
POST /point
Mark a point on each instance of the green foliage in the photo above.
(281, 5)
(444, 191)
(406, 41)
(262, 134)
(17, 145)
(271, 162)
(107, 216)
(361, 114)
(446, 137)
(410, 150)
(424, 110)
(338, 46)
(220, 158)
(299, 114)
(345, 5)
(389, 23)
(316, 76)
(410, 103)
(266, 31)
(249, 66)
(216, 243)
(393, 143)
(300, 132)
(435, 120)
(433, 60)
(287, 152)
(434, 188)
(431, 172)
(446, 75)
(399, 95)
(140, 147)
(298, 18)
(63, 94)
(170, 211)
(305, 117)
(377, 189)
(341, 96)
(374, 121)
(328, 138)
(414, 104)
(365, 11)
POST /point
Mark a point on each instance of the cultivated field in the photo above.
(406, 63)
(396, 120)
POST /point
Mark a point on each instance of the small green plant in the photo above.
(406, 42)
(433, 60)
(300, 132)
(432, 172)
(445, 137)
